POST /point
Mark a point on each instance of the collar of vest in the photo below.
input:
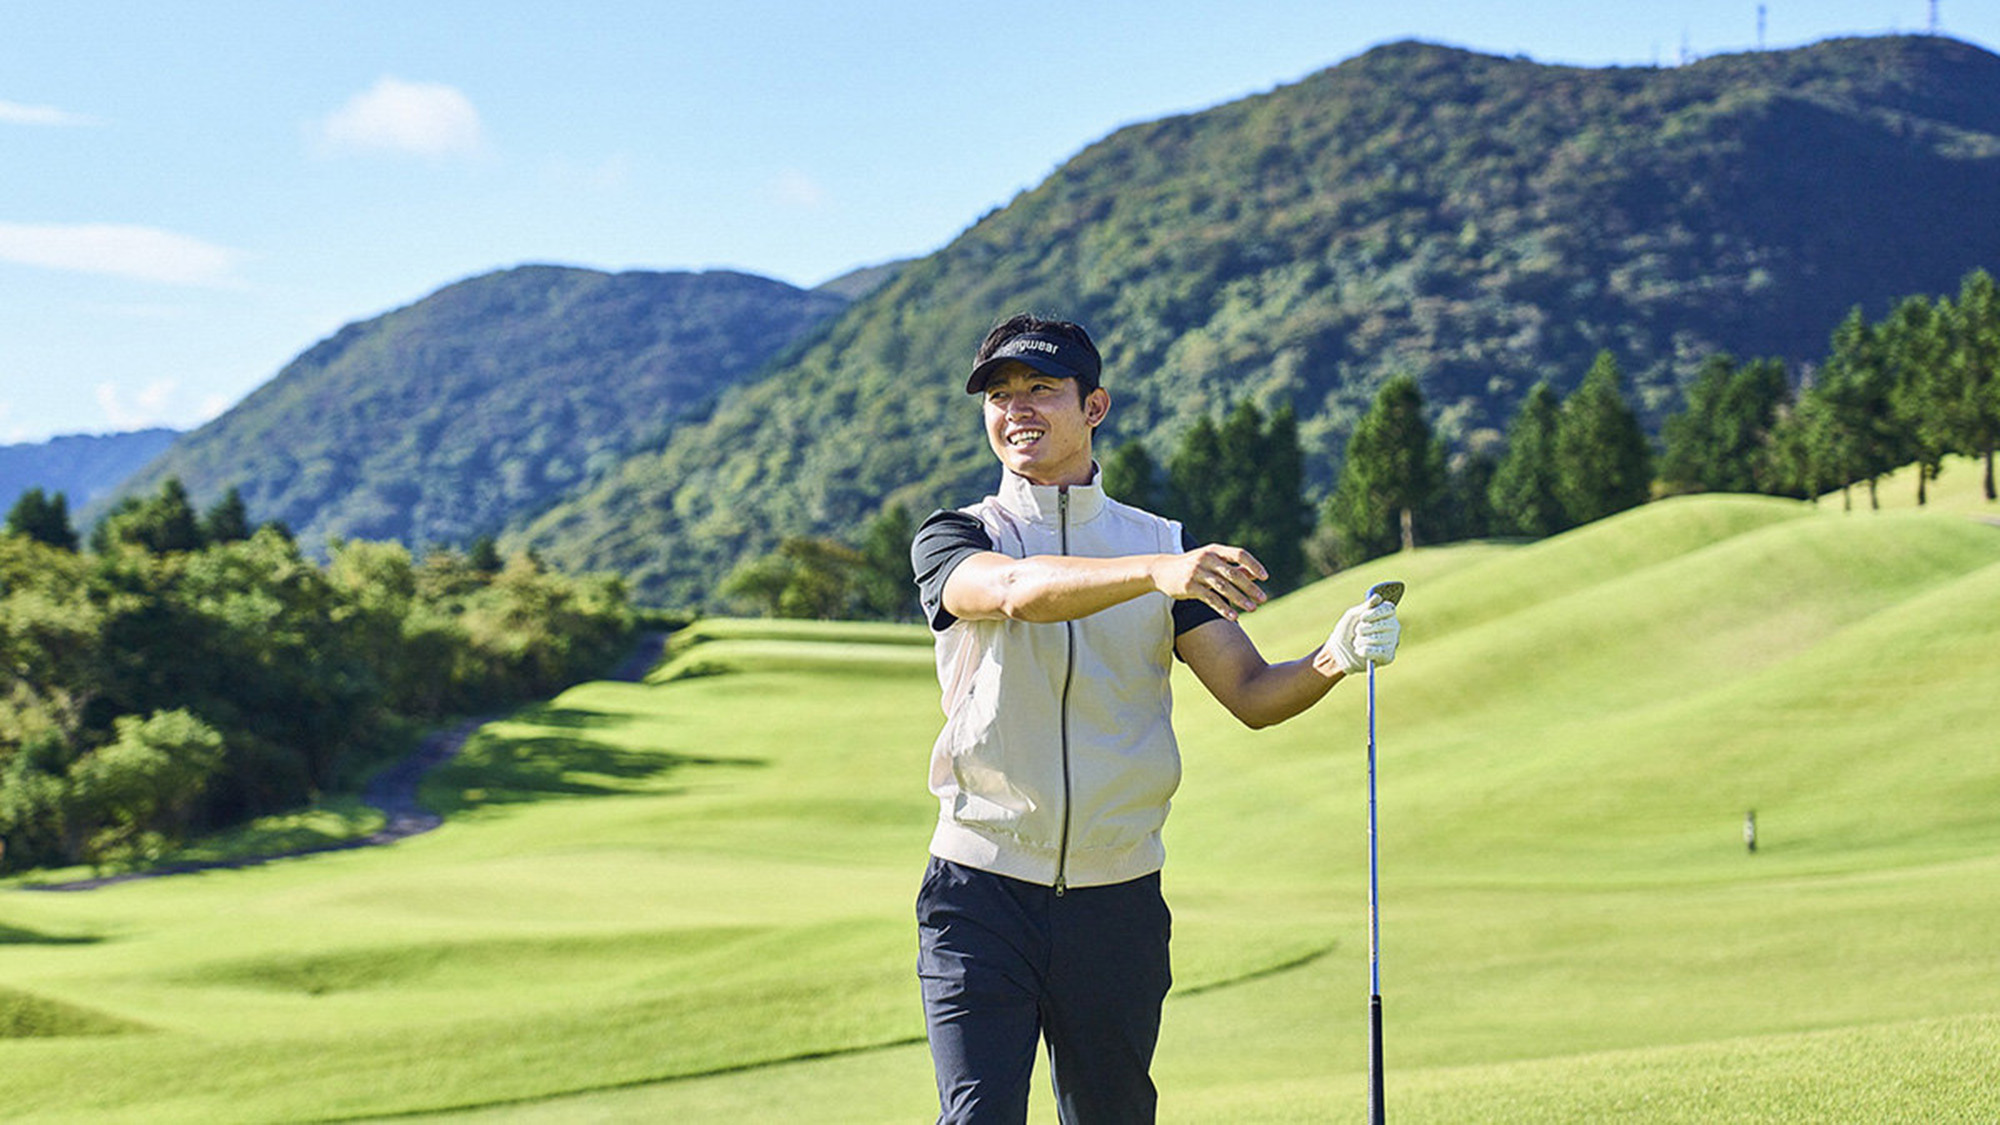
(1039, 503)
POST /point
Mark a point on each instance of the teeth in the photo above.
(1023, 437)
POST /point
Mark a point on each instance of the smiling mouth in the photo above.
(1019, 438)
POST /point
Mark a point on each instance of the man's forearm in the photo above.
(1047, 588)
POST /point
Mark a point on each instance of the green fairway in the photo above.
(690, 899)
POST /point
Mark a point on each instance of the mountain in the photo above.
(82, 467)
(1480, 222)
(440, 421)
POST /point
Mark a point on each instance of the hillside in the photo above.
(696, 892)
(483, 402)
(82, 467)
(1481, 222)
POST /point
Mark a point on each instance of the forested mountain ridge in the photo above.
(80, 466)
(1482, 223)
(442, 420)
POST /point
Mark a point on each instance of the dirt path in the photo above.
(393, 791)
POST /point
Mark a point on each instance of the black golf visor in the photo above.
(1050, 355)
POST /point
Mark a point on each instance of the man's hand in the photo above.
(1224, 577)
(1367, 634)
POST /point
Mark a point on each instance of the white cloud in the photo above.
(794, 188)
(148, 407)
(142, 253)
(14, 113)
(421, 118)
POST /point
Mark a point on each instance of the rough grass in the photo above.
(690, 900)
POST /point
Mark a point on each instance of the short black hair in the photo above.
(1020, 324)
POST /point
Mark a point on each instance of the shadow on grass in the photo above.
(572, 718)
(509, 771)
(14, 935)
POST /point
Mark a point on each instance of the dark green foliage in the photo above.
(1482, 223)
(147, 694)
(1242, 483)
(486, 400)
(1843, 428)
(484, 555)
(1463, 508)
(829, 580)
(228, 520)
(1917, 346)
(1717, 444)
(1394, 468)
(1966, 391)
(42, 518)
(166, 522)
(1523, 492)
(1130, 477)
(1602, 463)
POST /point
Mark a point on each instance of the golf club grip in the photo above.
(1375, 1110)
(1391, 592)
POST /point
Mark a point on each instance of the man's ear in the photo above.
(1096, 405)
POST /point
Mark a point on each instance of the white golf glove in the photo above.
(1366, 634)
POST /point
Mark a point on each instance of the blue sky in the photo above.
(195, 192)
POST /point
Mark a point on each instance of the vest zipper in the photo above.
(1069, 673)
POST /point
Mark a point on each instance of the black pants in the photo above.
(1003, 962)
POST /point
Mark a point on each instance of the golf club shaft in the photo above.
(1375, 1100)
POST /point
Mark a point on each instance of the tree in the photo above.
(227, 521)
(1278, 519)
(1197, 463)
(1392, 469)
(484, 556)
(163, 524)
(1917, 346)
(42, 518)
(1851, 428)
(142, 788)
(1131, 477)
(1717, 444)
(1602, 463)
(804, 577)
(1523, 492)
(1969, 392)
(885, 585)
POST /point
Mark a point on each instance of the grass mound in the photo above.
(24, 1015)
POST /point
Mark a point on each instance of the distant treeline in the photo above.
(1914, 388)
(188, 672)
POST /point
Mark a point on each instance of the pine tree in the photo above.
(1523, 493)
(1191, 475)
(163, 524)
(1278, 511)
(1717, 443)
(1602, 463)
(1131, 478)
(1853, 431)
(42, 518)
(1392, 469)
(1917, 346)
(1971, 402)
(228, 521)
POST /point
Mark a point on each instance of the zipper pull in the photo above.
(1062, 884)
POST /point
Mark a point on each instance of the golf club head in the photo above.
(1391, 592)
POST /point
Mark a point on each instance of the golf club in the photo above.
(1391, 592)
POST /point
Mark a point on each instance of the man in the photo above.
(1057, 612)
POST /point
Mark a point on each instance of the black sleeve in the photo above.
(943, 541)
(1190, 612)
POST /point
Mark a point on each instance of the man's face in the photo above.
(1038, 425)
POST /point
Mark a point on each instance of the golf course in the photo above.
(690, 898)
